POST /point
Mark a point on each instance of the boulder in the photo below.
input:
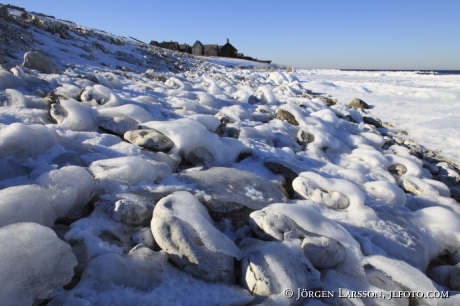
(133, 210)
(307, 189)
(232, 193)
(183, 228)
(358, 104)
(118, 124)
(323, 252)
(270, 267)
(287, 170)
(144, 236)
(329, 102)
(150, 139)
(282, 114)
(39, 61)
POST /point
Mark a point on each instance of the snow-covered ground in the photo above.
(134, 175)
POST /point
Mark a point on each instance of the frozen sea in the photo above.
(426, 106)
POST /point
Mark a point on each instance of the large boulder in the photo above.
(268, 268)
(183, 228)
(35, 264)
(117, 124)
(232, 193)
(323, 252)
(39, 61)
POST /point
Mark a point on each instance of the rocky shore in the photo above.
(135, 175)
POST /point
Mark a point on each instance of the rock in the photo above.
(271, 225)
(159, 77)
(323, 252)
(287, 170)
(454, 281)
(133, 210)
(304, 138)
(397, 169)
(58, 112)
(117, 124)
(358, 104)
(38, 61)
(150, 139)
(80, 250)
(271, 267)
(183, 228)
(329, 102)
(10, 81)
(432, 168)
(308, 189)
(374, 121)
(232, 193)
(144, 236)
(198, 155)
(282, 114)
(441, 274)
(4, 11)
(410, 187)
(289, 69)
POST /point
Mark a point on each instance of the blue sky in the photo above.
(404, 34)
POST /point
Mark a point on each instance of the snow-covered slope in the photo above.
(134, 175)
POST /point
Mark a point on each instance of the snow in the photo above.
(336, 177)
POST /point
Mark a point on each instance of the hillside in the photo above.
(135, 175)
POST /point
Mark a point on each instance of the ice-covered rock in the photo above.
(76, 117)
(144, 236)
(454, 279)
(39, 61)
(118, 124)
(21, 140)
(232, 193)
(129, 170)
(183, 228)
(133, 210)
(7, 80)
(268, 268)
(323, 252)
(188, 134)
(56, 194)
(35, 264)
(135, 112)
(386, 192)
(150, 139)
(319, 189)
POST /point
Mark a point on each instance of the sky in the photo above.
(340, 34)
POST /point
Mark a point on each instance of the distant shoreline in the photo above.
(433, 72)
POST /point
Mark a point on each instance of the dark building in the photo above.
(198, 48)
(228, 50)
(185, 48)
(154, 43)
(172, 45)
(211, 50)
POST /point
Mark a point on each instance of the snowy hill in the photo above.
(135, 175)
